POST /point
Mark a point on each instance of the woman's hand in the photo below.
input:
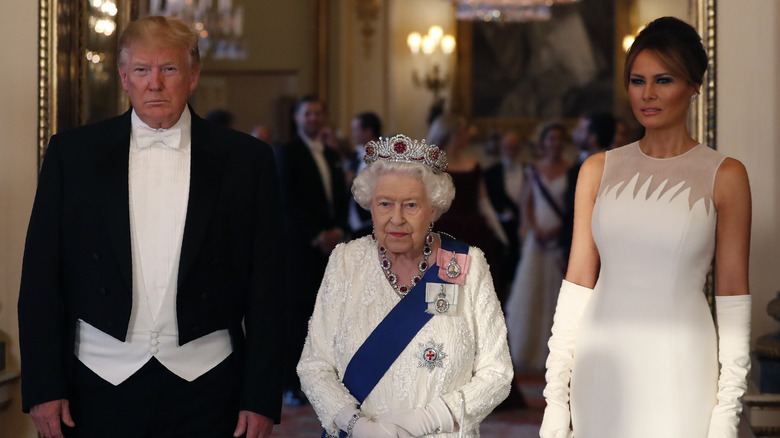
(365, 428)
(435, 417)
(555, 423)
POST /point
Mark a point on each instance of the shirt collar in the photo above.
(184, 124)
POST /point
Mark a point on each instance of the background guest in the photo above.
(471, 217)
(595, 132)
(623, 134)
(261, 132)
(314, 200)
(221, 117)
(504, 183)
(366, 127)
(531, 304)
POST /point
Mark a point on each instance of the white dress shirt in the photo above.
(316, 147)
(513, 180)
(355, 221)
(159, 182)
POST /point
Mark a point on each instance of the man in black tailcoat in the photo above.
(150, 301)
(314, 199)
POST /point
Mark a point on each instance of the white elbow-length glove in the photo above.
(435, 417)
(572, 300)
(363, 427)
(733, 314)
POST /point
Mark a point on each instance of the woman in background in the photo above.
(471, 217)
(531, 304)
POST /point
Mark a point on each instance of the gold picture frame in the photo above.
(63, 79)
(703, 114)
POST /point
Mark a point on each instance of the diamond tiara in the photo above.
(402, 149)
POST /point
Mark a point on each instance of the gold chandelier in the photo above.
(505, 10)
(219, 24)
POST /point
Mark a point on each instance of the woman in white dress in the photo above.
(402, 344)
(531, 303)
(633, 330)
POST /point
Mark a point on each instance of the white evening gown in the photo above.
(531, 304)
(354, 298)
(645, 362)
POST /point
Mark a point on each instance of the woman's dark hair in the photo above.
(547, 128)
(676, 44)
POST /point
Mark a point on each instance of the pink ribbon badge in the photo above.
(452, 270)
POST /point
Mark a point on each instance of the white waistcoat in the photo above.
(159, 184)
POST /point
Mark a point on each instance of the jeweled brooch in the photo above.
(431, 355)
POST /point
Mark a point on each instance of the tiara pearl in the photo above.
(402, 149)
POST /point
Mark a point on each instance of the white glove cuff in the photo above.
(579, 295)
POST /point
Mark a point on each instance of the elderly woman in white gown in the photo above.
(407, 336)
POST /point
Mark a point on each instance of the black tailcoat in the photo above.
(77, 260)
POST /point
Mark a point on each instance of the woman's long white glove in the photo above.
(733, 314)
(365, 428)
(435, 417)
(572, 300)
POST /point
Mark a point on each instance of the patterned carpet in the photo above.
(505, 422)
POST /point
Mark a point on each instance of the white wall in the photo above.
(748, 61)
(18, 164)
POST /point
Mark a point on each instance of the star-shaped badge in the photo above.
(431, 355)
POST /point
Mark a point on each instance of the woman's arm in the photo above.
(733, 300)
(732, 236)
(317, 368)
(528, 220)
(584, 261)
(489, 213)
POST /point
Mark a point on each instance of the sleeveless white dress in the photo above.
(645, 362)
(531, 303)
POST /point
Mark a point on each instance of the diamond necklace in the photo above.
(403, 289)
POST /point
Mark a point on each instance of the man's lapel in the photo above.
(206, 174)
(112, 150)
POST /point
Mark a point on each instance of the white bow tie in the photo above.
(145, 137)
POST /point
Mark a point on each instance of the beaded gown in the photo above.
(531, 304)
(645, 362)
(355, 296)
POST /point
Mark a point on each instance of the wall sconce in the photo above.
(628, 40)
(436, 48)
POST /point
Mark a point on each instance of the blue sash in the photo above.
(383, 346)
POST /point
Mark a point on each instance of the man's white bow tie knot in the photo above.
(145, 137)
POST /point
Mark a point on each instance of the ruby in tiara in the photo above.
(402, 149)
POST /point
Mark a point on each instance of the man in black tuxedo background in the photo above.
(366, 127)
(314, 199)
(504, 183)
(594, 133)
(150, 300)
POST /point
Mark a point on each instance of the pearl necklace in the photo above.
(402, 289)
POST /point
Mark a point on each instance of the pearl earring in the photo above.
(693, 98)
